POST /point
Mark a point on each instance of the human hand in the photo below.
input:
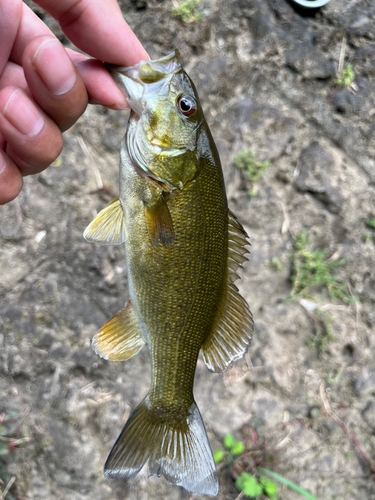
(45, 88)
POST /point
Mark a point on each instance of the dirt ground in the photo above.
(266, 77)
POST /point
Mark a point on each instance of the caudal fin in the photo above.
(176, 449)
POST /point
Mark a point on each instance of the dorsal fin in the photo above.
(108, 227)
(159, 222)
(120, 338)
(231, 334)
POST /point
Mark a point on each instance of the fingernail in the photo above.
(23, 114)
(54, 67)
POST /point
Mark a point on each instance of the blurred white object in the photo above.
(312, 4)
(308, 305)
(38, 238)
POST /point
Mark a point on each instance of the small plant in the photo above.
(371, 223)
(252, 480)
(346, 76)
(187, 11)
(252, 487)
(252, 166)
(323, 332)
(233, 448)
(276, 263)
(310, 268)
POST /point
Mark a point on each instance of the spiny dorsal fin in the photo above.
(120, 338)
(231, 335)
(108, 227)
(159, 222)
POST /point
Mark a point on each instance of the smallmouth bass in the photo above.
(183, 248)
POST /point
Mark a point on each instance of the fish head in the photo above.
(165, 121)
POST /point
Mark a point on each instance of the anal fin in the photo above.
(159, 222)
(108, 227)
(231, 334)
(120, 338)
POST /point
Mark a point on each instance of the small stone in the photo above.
(314, 412)
(364, 383)
(309, 61)
(343, 101)
(308, 305)
(315, 166)
(46, 341)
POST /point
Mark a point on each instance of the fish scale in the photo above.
(183, 248)
(194, 288)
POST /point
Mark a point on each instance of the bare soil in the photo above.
(266, 76)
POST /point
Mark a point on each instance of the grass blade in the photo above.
(282, 480)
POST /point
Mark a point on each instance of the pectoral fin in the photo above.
(108, 227)
(120, 338)
(231, 335)
(159, 222)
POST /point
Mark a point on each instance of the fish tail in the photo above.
(176, 448)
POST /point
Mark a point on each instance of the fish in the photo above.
(183, 248)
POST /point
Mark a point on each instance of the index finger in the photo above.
(98, 28)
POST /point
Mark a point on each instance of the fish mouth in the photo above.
(132, 79)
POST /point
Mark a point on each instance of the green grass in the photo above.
(368, 237)
(288, 483)
(276, 263)
(187, 11)
(311, 268)
(371, 223)
(346, 77)
(323, 334)
(252, 166)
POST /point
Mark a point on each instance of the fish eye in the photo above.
(187, 105)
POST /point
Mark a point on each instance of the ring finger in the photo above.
(33, 139)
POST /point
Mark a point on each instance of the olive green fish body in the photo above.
(177, 290)
(183, 247)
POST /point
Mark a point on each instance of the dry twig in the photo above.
(345, 428)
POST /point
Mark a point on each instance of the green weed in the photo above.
(288, 483)
(310, 268)
(251, 485)
(371, 223)
(276, 263)
(323, 334)
(346, 77)
(187, 11)
(233, 448)
(252, 166)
